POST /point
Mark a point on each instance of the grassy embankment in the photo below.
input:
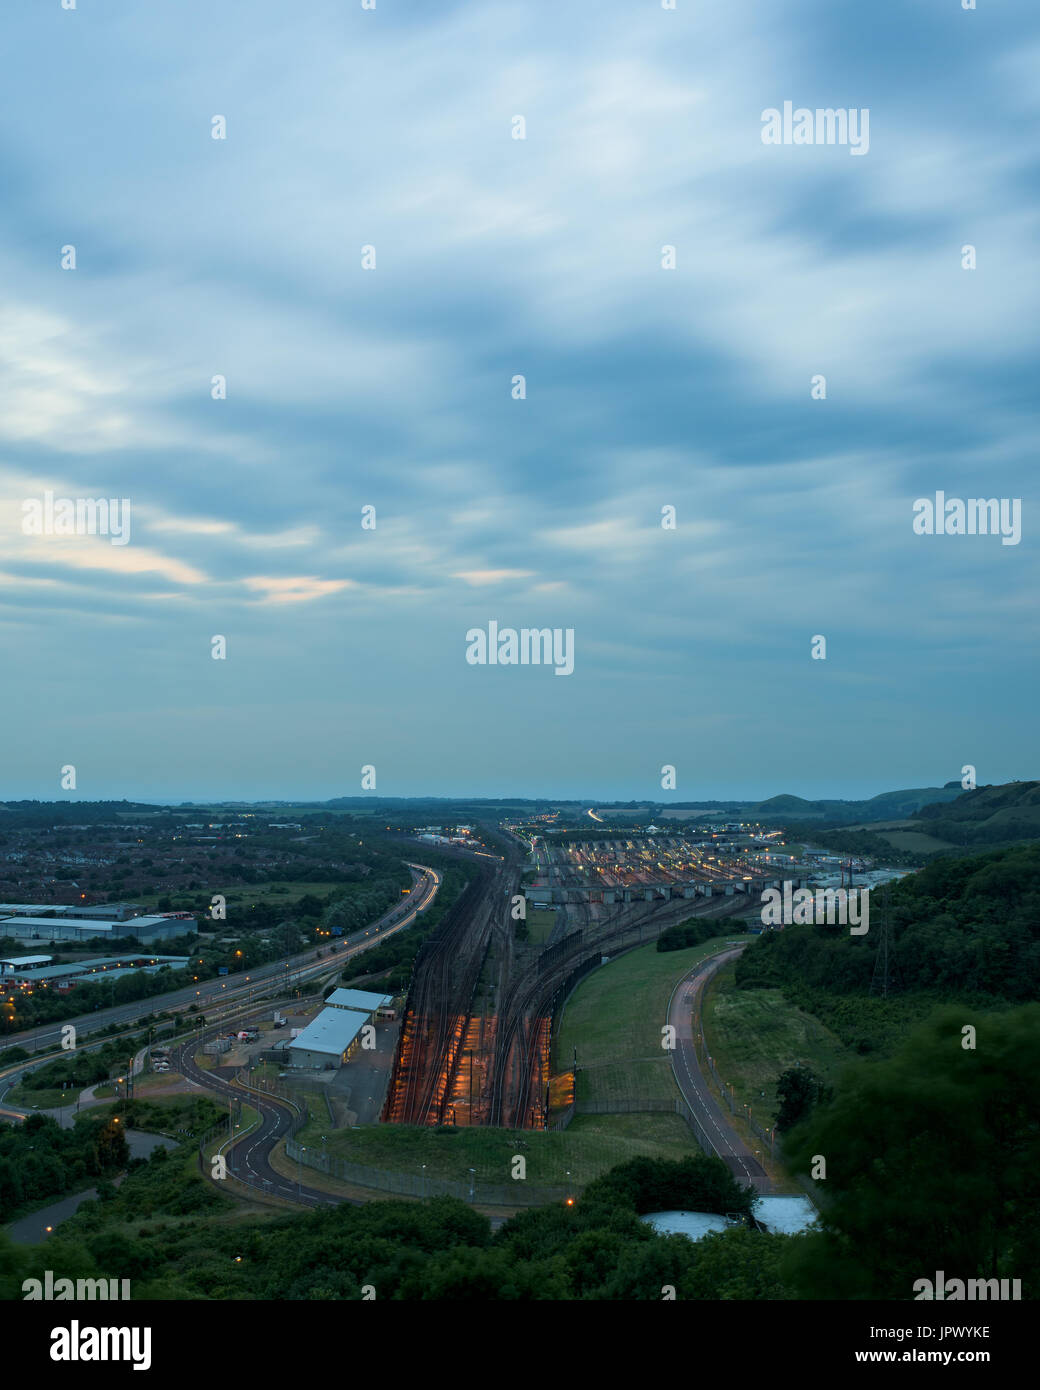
(755, 1034)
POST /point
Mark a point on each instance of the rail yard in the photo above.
(476, 1043)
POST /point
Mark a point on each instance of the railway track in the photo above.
(515, 1101)
(440, 998)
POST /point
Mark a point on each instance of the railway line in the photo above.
(513, 1048)
(521, 1035)
(439, 1000)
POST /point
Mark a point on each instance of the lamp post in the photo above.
(423, 1166)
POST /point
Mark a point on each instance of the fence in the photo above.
(279, 1093)
(516, 1194)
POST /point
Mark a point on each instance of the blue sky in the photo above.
(392, 388)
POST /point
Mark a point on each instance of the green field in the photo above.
(243, 894)
(914, 841)
(24, 1098)
(614, 1020)
(539, 925)
(755, 1034)
(590, 1145)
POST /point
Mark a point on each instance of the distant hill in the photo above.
(885, 806)
(1004, 814)
(785, 805)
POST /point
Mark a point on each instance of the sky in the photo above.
(393, 387)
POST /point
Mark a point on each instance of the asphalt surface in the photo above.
(713, 1119)
(249, 1157)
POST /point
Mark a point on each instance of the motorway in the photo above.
(240, 986)
(684, 1004)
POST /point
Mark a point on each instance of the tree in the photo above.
(932, 1162)
(798, 1091)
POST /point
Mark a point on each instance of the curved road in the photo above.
(249, 1157)
(713, 1119)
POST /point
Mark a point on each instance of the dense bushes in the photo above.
(39, 1160)
(598, 1249)
(960, 927)
(689, 933)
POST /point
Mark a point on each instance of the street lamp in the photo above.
(423, 1166)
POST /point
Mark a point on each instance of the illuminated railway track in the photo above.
(438, 1007)
(439, 994)
(520, 1035)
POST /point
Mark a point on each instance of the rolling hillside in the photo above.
(996, 815)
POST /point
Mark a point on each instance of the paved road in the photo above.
(362, 1085)
(713, 1119)
(31, 1229)
(248, 1158)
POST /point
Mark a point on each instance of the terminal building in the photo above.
(334, 1036)
(329, 1041)
(362, 1001)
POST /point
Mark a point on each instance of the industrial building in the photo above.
(158, 927)
(361, 1001)
(104, 912)
(21, 965)
(330, 1040)
(34, 972)
(334, 1035)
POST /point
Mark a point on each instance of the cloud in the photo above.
(295, 589)
(480, 578)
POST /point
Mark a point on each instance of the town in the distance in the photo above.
(446, 1048)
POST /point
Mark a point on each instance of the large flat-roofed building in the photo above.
(67, 976)
(18, 965)
(99, 912)
(153, 928)
(330, 1040)
(104, 912)
(51, 929)
(362, 1001)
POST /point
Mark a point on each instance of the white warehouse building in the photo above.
(330, 1040)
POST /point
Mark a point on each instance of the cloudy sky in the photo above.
(392, 388)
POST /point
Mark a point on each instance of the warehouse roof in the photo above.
(332, 1031)
(63, 924)
(90, 924)
(361, 999)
